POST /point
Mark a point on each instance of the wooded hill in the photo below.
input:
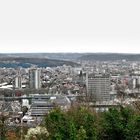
(12, 62)
(110, 57)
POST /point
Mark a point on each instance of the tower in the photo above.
(34, 78)
(18, 82)
(18, 79)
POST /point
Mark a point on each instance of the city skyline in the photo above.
(69, 26)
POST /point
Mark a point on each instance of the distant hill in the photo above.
(59, 59)
(13, 62)
(110, 57)
(56, 56)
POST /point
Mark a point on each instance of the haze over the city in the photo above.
(69, 26)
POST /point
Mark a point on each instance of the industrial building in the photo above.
(41, 104)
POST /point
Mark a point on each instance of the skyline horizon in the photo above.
(68, 53)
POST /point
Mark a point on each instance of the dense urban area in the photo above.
(78, 99)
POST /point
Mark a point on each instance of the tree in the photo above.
(81, 135)
(81, 123)
(72, 130)
(57, 124)
(133, 132)
(3, 127)
(38, 133)
(83, 116)
(70, 124)
(117, 124)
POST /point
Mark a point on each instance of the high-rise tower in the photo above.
(34, 78)
(18, 79)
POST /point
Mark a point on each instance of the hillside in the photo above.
(56, 56)
(13, 62)
(110, 57)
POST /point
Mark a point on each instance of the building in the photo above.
(98, 87)
(18, 82)
(42, 104)
(18, 79)
(34, 78)
(135, 79)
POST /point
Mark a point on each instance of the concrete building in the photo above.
(18, 82)
(42, 104)
(135, 76)
(98, 87)
(34, 78)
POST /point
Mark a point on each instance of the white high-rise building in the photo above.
(34, 78)
(18, 79)
(98, 87)
(18, 82)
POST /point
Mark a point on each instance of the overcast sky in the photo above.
(70, 26)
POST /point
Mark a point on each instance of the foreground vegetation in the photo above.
(82, 123)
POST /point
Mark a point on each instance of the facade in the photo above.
(18, 79)
(42, 104)
(98, 87)
(135, 79)
(18, 82)
(34, 78)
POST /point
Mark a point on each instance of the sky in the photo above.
(69, 26)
